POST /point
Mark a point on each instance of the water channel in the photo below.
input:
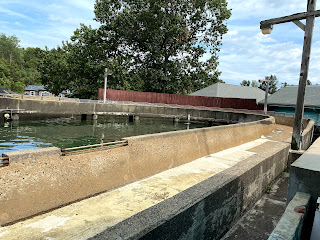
(65, 133)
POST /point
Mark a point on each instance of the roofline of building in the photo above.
(279, 105)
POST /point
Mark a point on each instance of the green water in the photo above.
(17, 136)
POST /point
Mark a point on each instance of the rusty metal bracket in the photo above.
(4, 161)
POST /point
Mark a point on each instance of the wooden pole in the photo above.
(303, 76)
(265, 109)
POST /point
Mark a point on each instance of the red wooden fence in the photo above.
(149, 97)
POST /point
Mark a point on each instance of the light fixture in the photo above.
(266, 28)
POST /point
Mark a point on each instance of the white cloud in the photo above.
(84, 4)
(13, 13)
(250, 55)
(245, 53)
(41, 23)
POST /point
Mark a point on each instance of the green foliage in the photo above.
(284, 84)
(18, 66)
(18, 87)
(53, 69)
(269, 188)
(10, 49)
(156, 46)
(246, 83)
(254, 83)
(165, 40)
(273, 84)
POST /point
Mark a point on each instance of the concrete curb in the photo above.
(290, 226)
(18, 156)
(208, 209)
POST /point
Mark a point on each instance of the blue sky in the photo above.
(245, 53)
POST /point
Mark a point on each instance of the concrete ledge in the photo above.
(21, 156)
(305, 174)
(307, 132)
(307, 135)
(290, 226)
(208, 209)
(294, 155)
(40, 180)
(53, 108)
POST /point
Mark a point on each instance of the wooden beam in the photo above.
(299, 24)
(290, 18)
(308, 33)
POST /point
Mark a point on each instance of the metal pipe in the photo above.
(92, 149)
(95, 145)
(4, 160)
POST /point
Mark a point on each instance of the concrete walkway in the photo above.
(259, 222)
(89, 217)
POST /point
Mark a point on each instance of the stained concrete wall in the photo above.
(209, 209)
(43, 109)
(292, 225)
(305, 174)
(307, 134)
(39, 180)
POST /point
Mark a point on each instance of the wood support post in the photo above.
(297, 127)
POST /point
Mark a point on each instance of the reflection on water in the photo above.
(69, 133)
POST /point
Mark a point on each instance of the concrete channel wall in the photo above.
(33, 109)
(208, 209)
(39, 180)
(292, 224)
(308, 128)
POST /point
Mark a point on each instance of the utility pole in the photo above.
(265, 108)
(266, 27)
(105, 85)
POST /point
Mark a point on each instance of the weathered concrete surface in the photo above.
(294, 155)
(138, 208)
(305, 174)
(262, 218)
(21, 156)
(308, 127)
(208, 209)
(46, 108)
(41, 181)
(290, 226)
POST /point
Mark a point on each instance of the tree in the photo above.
(284, 84)
(53, 69)
(309, 82)
(245, 83)
(18, 66)
(149, 45)
(31, 60)
(4, 74)
(165, 40)
(254, 83)
(273, 84)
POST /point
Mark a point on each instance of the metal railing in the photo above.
(4, 161)
(47, 98)
(108, 145)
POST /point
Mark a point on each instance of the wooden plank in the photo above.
(299, 24)
(290, 18)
